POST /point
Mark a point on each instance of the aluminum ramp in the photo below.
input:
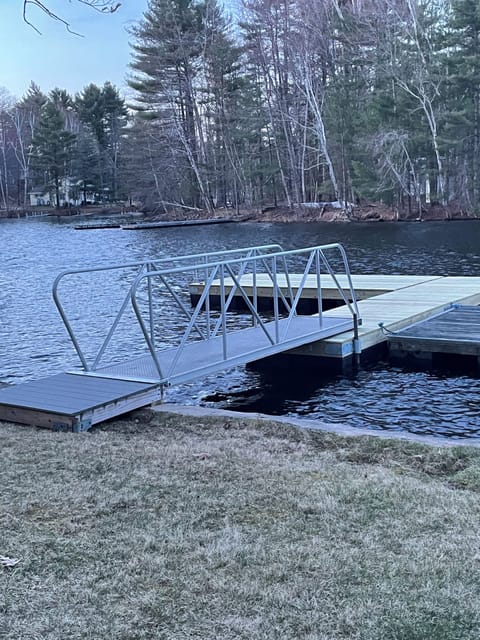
(204, 357)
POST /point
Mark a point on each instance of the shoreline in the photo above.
(370, 213)
(334, 428)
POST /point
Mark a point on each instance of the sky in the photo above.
(57, 58)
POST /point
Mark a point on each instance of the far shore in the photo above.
(313, 212)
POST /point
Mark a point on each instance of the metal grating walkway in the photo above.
(206, 356)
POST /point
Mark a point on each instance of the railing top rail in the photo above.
(140, 263)
(262, 257)
(257, 258)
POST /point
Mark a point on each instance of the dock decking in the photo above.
(365, 285)
(396, 310)
(454, 331)
(396, 301)
(67, 402)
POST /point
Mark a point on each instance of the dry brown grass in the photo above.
(176, 528)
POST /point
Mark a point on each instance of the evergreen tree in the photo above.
(85, 167)
(104, 111)
(52, 147)
(221, 100)
(166, 54)
(462, 131)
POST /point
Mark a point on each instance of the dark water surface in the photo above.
(33, 342)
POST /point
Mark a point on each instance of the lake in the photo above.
(33, 342)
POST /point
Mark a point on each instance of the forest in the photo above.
(286, 103)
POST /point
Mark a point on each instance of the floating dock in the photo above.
(394, 301)
(453, 331)
(396, 310)
(366, 286)
(107, 225)
(175, 223)
(69, 402)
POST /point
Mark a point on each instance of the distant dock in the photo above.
(174, 223)
(107, 225)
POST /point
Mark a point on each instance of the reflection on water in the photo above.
(33, 342)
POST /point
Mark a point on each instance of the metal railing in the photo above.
(227, 272)
(196, 261)
(220, 274)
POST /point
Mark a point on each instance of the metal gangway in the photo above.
(206, 340)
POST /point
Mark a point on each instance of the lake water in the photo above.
(33, 342)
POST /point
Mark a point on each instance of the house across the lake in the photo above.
(72, 193)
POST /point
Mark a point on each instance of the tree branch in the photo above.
(102, 6)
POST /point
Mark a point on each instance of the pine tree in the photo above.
(166, 55)
(462, 134)
(52, 147)
(85, 167)
(104, 111)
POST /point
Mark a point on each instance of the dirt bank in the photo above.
(371, 212)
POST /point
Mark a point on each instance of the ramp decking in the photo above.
(207, 356)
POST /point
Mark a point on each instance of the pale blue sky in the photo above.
(57, 58)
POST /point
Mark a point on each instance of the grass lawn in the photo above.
(172, 528)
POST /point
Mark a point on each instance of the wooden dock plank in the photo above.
(396, 310)
(365, 285)
(456, 330)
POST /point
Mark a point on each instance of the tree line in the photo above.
(294, 101)
(61, 147)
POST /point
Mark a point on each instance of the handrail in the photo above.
(218, 267)
(142, 266)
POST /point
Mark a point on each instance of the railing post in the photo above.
(223, 312)
(319, 288)
(207, 300)
(255, 292)
(275, 299)
(288, 282)
(357, 349)
(150, 306)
